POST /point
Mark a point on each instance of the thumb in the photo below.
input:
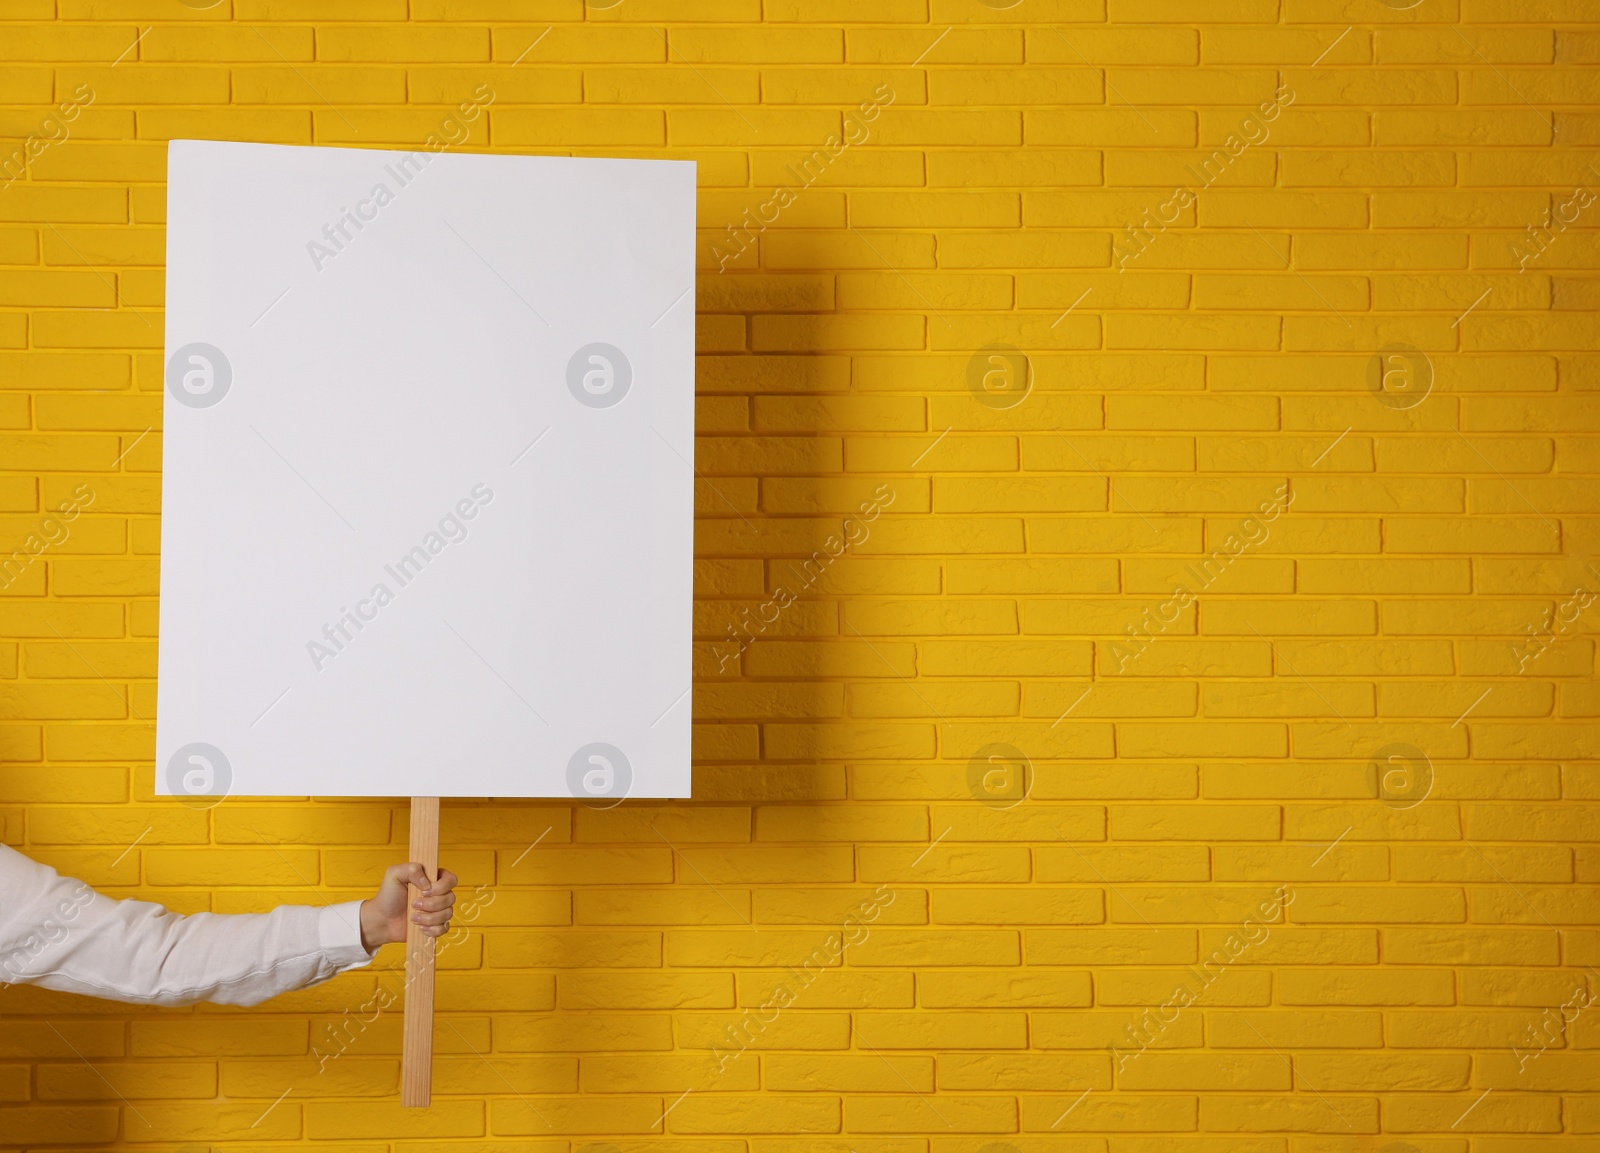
(411, 873)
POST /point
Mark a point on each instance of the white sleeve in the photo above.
(61, 934)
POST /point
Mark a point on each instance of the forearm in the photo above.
(63, 936)
(142, 953)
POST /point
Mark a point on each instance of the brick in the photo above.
(1293, 946)
(1174, 904)
(98, 246)
(972, 698)
(129, 1079)
(1116, 1113)
(1376, 1073)
(644, 991)
(576, 950)
(1395, 251)
(963, 45)
(758, 45)
(754, 1114)
(811, 1031)
(1177, 331)
(1195, 1071)
(75, 1123)
(1392, 905)
(591, 127)
(1280, 1114)
(916, 127)
(980, 907)
(1236, 413)
(1036, 1071)
(1390, 168)
(620, 865)
(658, 84)
(1475, 947)
(1389, 575)
(1301, 616)
(1428, 45)
(1123, 864)
(887, 863)
(664, 1074)
(1223, 291)
(973, 453)
(1037, 249)
(1188, 822)
(271, 126)
(583, 1033)
(1215, 168)
(39, 203)
(898, 823)
(394, 44)
(1156, 987)
(1033, 168)
(1458, 127)
(314, 83)
(1233, 209)
(217, 1038)
(1523, 1113)
(347, 1120)
(1347, 1029)
(855, 658)
(943, 291)
(1151, 12)
(899, 1114)
(221, 42)
(1396, 986)
(956, 1029)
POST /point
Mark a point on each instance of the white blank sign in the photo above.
(427, 499)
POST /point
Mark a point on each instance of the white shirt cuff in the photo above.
(339, 934)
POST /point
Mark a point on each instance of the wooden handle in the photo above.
(416, 1061)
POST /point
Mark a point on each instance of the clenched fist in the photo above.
(383, 917)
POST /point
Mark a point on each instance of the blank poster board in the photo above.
(427, 499)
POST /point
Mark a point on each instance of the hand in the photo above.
(383, 918)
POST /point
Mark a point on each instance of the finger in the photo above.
(434, 902)
(412, 873)
(447, 881)
(434, 930)
(440, 918)
(405, 874)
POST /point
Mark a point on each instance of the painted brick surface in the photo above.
(1146, 595)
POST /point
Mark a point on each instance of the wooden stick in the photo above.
(416, 1061)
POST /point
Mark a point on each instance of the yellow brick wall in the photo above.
(1016, 316)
